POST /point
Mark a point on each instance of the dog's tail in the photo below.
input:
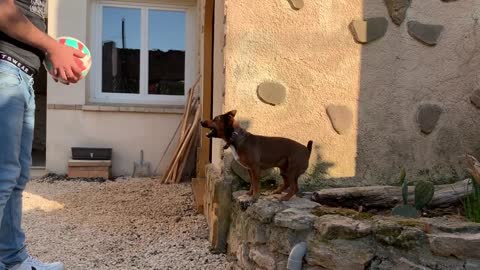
(309, 147)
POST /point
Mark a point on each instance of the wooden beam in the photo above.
(204, 154)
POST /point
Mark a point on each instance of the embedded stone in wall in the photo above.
(341, 118)
(397, 9)
(296, 4)
(457, 245)
(428, 116)
(426, 33)
(272, 93)
(475, 98)
(263, 258)
(365, 31)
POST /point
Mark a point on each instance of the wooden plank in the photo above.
(184, 142)
(198, 187)
(386, 197)
(205, 147)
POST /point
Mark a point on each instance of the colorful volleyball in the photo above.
(77, 44)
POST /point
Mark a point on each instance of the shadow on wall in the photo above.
(317, 175)
(415, 107)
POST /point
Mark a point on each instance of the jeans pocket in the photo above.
(9, 79)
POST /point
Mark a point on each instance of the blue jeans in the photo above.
(17, 117)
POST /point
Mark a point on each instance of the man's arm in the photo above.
(16, 25)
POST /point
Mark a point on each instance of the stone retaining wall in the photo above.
(262, 235)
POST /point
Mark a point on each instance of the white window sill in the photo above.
(125, 108)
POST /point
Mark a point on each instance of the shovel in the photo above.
(141, 169)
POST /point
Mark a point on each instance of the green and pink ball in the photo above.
(77, 44)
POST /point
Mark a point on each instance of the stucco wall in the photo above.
(127, 133)
(313, 54)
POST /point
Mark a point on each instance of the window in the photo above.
(141, 53)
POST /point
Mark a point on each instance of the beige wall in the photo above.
(312, 52)
(218, 73)
(127, 133)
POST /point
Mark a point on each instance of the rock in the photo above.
(472, 265)
(453, 225)
(282, 264)
(256, 233)
(340, 254)
(404, 264)
(335, 226)
(272, 93)
(386, 231)
(475, 98)
(426, 33)
(242, 199)
(393, 234)
(265, 210)
(281, 240)
(263, 258)
(366, 31)
(459, 245)
(294, 219)
(296, 4)
(397, 9)
(428, 116)
(341, 118)
(301, 203)
(243, 259)
(410, 238)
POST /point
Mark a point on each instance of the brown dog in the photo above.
(258, 153)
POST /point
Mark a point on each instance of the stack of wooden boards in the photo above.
(189, 129)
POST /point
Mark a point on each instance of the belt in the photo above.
(10, 59)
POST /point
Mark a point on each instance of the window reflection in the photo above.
(166, 45)
(121, 50)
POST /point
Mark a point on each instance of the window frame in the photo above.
(143, 98)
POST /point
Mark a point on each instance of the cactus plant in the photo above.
(402, 176)
(405, 211)
(424, 191)
(405, 192)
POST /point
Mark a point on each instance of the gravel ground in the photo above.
(125, 224)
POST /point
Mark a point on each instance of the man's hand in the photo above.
(65, 60)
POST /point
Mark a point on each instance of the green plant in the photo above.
(471, 202)
(424, 191)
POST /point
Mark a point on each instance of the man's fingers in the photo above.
(61, 73)
(77, 71)
(73, 78)
(78, 53)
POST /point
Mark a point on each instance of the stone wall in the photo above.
(262, 234)
(399, 92)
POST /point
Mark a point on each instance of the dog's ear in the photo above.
(232, 113)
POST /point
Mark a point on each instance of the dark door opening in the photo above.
(40, 132)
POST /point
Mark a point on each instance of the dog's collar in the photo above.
(238, 136)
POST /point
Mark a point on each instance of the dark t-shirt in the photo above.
(34, 10)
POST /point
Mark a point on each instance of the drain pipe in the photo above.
(295, 260)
